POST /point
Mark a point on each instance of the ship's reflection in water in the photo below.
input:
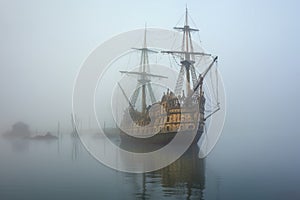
(63, 169)
(183, 179)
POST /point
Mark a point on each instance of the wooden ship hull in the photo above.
(165, 118)
(159, 139)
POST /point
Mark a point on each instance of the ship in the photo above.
(181, 110)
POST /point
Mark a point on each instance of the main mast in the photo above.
(186, 44)
(187, 56)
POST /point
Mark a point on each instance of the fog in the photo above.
(42, 47)
(44, 44)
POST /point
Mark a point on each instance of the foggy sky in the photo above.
(43, 45)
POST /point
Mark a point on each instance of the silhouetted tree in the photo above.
(19, 130)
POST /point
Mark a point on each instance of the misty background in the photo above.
(43, 45)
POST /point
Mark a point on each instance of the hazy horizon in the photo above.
(44, 45)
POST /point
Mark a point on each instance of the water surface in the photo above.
(62, 169)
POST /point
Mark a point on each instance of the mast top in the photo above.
(186, 26)
(186, 15)
(145, 36)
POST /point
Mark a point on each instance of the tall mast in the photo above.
(187, 55)
(186, 35)
(144, 64)
(144, 77)
(187, 64)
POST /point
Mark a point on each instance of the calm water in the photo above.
(234, 170)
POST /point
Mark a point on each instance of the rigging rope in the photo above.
(194, 24)
(212, 85)
(217, 82)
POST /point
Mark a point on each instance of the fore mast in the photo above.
(140, 115)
